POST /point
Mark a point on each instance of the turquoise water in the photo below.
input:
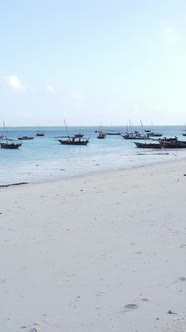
(45, 159)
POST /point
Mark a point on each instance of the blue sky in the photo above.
(92, 62)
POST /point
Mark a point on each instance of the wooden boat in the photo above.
(79, 135)
(40, 133)
(148, 145)
(135, 135)
(74, 141)
(154, 134)
(10, 144)
(184, 131)
(101, 135)
(24, 138)
(112, 132)
(172, 143)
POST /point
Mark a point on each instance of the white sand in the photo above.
(97, 254)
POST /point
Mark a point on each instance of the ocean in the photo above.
(44, 159)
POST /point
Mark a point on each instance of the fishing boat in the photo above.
(9, 143)
(148, 145)
(79, 135)
(72, 140)
(101, 135)
(25, 138)
(112, 132)
(154, 134)
(135, 135)
(184, 132)
(172, 143)
(40, 133)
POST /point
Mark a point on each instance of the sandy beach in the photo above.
(99, 253)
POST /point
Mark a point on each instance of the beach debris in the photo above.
(13, 184)
(170, 312)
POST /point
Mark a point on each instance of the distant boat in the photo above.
(113, 132)
(184, 134)
(172, 143)
(135, 135)
(79, 135)
(101, 135)
(24, 138)
(9, 143)
(148, 145)
(40, 133)
(74, 141)
(154, 134)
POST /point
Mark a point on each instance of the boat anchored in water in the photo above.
(40, 133)
(9, 143)
(101, 135)
(73, 141)
(148, 145)
(25, 138)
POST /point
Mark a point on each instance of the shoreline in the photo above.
(103, 252)
(94, 172)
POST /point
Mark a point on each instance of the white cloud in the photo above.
(51, 89)
(14, 82)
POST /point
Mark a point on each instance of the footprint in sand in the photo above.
(144, 299)
(130, 307)
(183, 245)
(182, 279)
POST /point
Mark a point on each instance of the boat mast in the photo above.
(5, 132)
(66, 128)
(143, 131)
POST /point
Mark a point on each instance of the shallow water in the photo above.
(45, 159)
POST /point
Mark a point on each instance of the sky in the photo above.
(92, 62)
